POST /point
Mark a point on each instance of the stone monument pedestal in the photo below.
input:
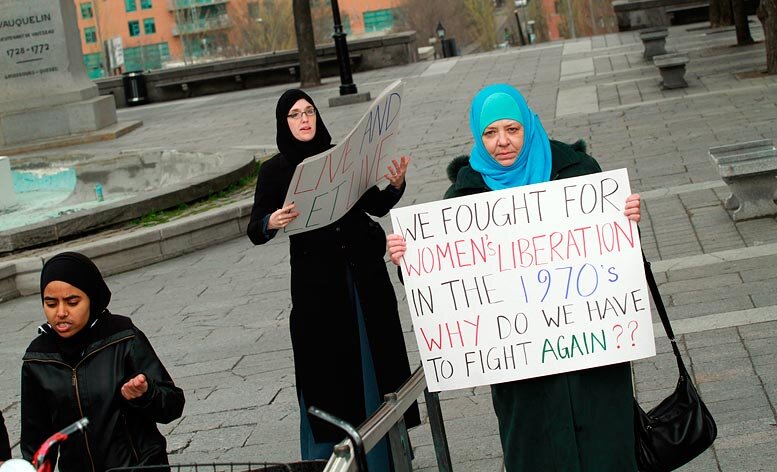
(24, 126)
(46, 96)
(7, 197)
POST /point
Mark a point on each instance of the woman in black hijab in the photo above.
(89, 362)
(345, 331)
(5, 444)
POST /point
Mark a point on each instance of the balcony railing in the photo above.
(186, 4)
(201, 25)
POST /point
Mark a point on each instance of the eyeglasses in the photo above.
(296, 115)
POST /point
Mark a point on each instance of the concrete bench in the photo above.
(236, 74)
(750, 171)
(239, 74)
(654, 40)
(685, 14)
(672, 68)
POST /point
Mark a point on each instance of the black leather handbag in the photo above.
(680, 427)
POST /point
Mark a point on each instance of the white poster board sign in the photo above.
(324, 187)
(115, 52)
(525, 282)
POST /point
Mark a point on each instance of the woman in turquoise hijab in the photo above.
(572, 422)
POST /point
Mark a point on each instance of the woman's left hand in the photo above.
(397, 171)
(396, 246)
(135, 387)
(632, 210)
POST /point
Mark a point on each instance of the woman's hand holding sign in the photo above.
(396, 173)
(281, 217)
(396, 247)
(632, 210)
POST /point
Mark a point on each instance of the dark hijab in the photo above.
(79, 271)
(293, 149)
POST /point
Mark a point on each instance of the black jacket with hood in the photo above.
(121, 433)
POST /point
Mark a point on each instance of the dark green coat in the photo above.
(574, 422)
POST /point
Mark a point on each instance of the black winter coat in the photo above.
(121, 433)
(326, 264)
(5, 443)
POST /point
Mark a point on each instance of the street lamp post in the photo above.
(440, 30)
(348, 92)
(520, 28)
(347, 87)
(571, 17)
(518, 5)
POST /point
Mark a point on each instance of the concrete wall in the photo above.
(636, 14)
(373, 53)
(135, 249)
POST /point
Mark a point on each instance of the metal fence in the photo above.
(348, 455)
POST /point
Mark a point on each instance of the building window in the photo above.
(152, 56)
(90, 35)
(145, 4)
(134, 28)
(130, 5)
(86, 10)
(378, 20)
(253, 10)
(148, 26)
(94, 65)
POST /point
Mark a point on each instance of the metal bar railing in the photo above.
(439, 438)
(389, 420)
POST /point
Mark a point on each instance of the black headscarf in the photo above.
(293, 149)
(79, 271)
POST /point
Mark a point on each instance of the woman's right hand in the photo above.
(281, 217)
(135, 387)
(396, 247)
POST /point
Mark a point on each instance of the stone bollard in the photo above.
(750, 171)
(672, 68)
(654, 41)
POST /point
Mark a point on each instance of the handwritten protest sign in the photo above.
(525, 282)
(324, 187)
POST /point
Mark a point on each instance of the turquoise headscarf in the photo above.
(504, 102)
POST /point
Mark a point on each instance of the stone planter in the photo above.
(654, 41)
(750, 171)
(672, 68)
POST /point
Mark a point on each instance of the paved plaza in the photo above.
(218, 317)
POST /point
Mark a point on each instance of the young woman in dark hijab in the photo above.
(89, 362)
(348, 345)
(5, 444)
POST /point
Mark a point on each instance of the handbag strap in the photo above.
(651, 280)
